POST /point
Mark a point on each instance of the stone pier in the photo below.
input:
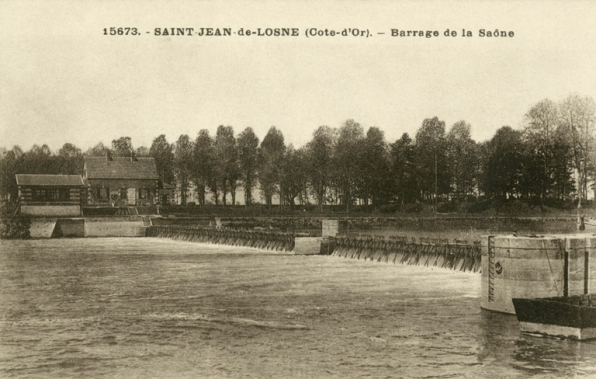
(536, 267)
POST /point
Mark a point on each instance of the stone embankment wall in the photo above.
(51, 210)
(101, 227)
(68, 227)
(307, 245)
(87, 227)
(42, 227)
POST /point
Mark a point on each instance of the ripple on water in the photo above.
(157, 308)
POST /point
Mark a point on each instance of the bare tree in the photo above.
(461, 159)
(578, 120)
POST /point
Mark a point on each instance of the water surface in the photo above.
(152, 308)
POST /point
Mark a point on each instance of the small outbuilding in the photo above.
(50, 195)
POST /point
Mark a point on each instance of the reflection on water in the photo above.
(156, 308)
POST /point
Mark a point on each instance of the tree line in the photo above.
(552, 157)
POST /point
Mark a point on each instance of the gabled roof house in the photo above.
(119, 181)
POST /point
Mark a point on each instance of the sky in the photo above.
(62, 80)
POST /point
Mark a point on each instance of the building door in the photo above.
(114, 196)
(132, 196)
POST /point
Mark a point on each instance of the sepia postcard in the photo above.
(297, 189)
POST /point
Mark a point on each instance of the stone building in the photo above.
(120, 181)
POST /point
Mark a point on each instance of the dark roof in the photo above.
(49, 180)
(120, 168)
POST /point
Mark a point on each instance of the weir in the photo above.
(255, 239)
(400, 249)
(395, 249)
(458, 255)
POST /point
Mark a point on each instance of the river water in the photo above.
(153, 308)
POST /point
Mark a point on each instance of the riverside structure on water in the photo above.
(158, 308)
(512, 266)
(536, 267)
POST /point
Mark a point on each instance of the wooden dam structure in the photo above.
(395, 249)
(255, 239)
(403, 250)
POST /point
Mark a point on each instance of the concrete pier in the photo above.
(87, 227)
(331, 228)
(535, 267)
(307, 245)
(98, 227)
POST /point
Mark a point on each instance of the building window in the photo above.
(51, 194)
(102, 193)
(39, 194)
(65, 194)
(143, 192)
(123, 193)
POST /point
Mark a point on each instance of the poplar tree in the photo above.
(504, 169)
(271, 154)
(183, 151)
(462, 158)
(374, 168)
(248, 159)
(226, 155)
(319, 162)
(204, 166)
(345, 160)
(403, 169)
(163, 153)
(431, 158)
(293, 176)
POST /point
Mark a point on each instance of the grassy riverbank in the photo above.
(462, 227)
